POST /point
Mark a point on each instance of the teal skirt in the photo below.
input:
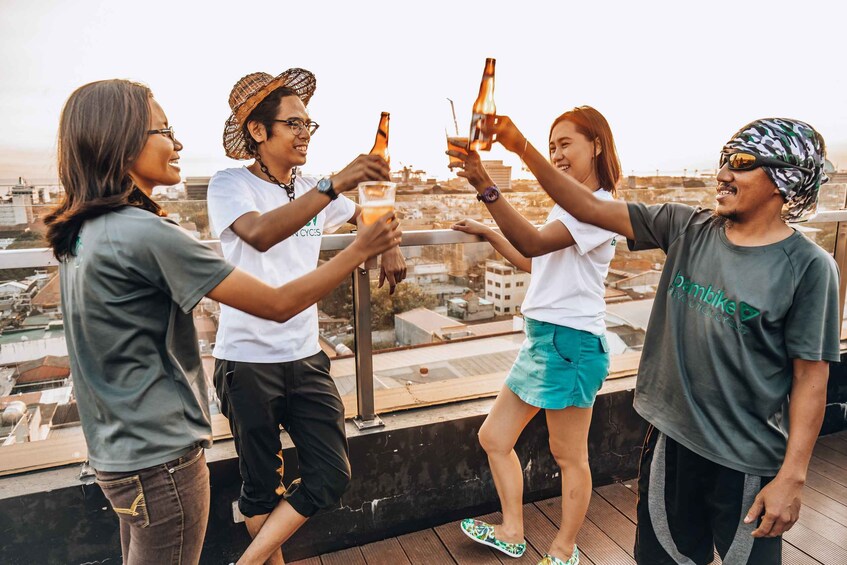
(559, 366)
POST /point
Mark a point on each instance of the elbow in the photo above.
(529, 249)
(282, 314)
(257, 243)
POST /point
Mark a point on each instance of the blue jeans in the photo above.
(163, 510)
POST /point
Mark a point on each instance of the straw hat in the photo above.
(249, 92)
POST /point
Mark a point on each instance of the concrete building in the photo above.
(470, 307)
(196, 188)
(505, 286)
(501, 174)
(420, 326)
(18, 210)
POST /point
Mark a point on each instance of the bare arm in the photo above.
(497, 241)
(263, 231)
(528, 240)
(249, 294)
(571, 195)
(780, 500)
(392, 263)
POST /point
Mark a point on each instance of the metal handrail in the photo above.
(42, 257)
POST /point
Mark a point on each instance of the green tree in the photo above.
(384, 306)
(28, 240)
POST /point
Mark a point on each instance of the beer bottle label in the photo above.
(477, 139)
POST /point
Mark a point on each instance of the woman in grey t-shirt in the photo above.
(129, 280)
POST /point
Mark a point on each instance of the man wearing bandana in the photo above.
(746, 318)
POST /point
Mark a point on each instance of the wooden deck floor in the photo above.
(608, 535)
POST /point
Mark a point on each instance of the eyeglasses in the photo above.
(743, 161)
(167, 132)
(298, 125)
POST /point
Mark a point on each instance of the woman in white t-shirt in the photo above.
(565, 358)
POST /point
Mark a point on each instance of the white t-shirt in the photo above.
(242, 337)
(566, 287)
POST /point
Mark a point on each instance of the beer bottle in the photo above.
(381, 142)
(484, 106)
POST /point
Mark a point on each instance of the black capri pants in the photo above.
(300, 396)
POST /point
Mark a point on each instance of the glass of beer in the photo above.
(456, 143)
(376, 199)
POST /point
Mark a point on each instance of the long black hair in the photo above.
(102, 130)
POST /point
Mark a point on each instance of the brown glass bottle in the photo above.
(484, 106)
(381, 142)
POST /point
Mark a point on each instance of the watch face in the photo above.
(324, 185)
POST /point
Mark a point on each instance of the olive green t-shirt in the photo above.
(726, 324)
(127, 295)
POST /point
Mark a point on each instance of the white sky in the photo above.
(674, 79)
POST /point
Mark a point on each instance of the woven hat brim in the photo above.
(301, 81)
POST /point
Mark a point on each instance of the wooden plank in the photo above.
(838, 442)
(622, 498)
(385, 552)
(613, 523)
(530, 556)
(831, 455)
(350, 556)
(826, 486)
(462, 548)
(592, 541)
(824, 525)
(814, 544)
(824, 504)
(540, 533)
(829, 470)
(424, 547)
(793, 556)
(309, 561)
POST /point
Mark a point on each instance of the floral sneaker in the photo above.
(481, 532)
(550, 560)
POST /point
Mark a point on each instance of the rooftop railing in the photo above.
(367, 401)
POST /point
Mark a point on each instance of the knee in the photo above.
(335, 482)
(570, 457)
(493, 443)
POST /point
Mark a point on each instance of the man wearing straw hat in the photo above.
(270, 220)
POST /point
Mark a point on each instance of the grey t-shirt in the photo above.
(727, 322)
(127, 295)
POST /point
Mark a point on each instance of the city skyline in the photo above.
(674, 81)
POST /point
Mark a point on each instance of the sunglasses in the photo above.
(743, 161)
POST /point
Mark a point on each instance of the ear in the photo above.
(257, 131)
(598, 147)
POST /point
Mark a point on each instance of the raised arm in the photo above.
(249, 294)
(263, 231)
(562, 188)
(526, 239)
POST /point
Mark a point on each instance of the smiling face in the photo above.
(573, 153)
(158, 162)
(742, 195)
(283, 147)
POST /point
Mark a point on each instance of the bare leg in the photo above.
(569, 444)
(498, 435)
(269, 532)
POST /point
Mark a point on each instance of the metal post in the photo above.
(366, 417)
(840, 256)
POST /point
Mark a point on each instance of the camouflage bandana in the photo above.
(793, 142)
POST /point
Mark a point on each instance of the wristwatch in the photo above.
(325, 187)
(489, 195)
